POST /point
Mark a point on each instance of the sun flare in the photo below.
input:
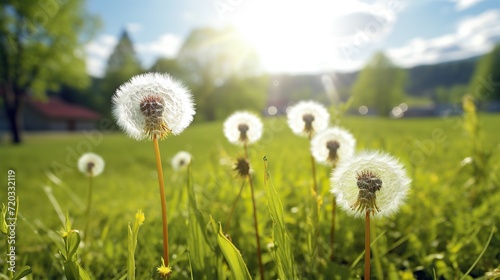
(293, 36)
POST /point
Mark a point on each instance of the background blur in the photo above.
(61, 61)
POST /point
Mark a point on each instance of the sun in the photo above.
(292, 36)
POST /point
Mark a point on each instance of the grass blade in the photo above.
(200, 252)
(282, 249)
(481, 254)
(232, 255)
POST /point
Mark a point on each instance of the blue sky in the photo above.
(305, 36)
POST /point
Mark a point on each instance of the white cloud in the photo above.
(464, 4)
(473, 36)
(362, 31)
(167, 45)
(97, 52)
(133, 27)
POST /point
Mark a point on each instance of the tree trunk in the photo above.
(15, 129)
(13, 103)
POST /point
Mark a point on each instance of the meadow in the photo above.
(447, 229)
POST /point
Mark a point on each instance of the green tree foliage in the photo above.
(122, 65)
(168, 65)
(485, 83)
(41, 47)
(241, 94)
(452, 94)
(424, 79)
(209, 58)
(380, 85)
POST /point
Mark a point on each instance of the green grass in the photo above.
(440, 231)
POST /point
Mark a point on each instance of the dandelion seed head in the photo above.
(181, 160)
(371, 181)
(332, 145)
(91, 164)
(307, 118)
(243, 128)
(153, 104)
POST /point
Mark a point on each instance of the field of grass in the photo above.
(440, 233)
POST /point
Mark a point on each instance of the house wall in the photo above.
(86, 125)
(33, 121)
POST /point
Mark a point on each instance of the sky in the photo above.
(304, 36)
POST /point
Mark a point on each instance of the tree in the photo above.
(41, 47)
(210, 57)
(379, 85)
(121, 66)
(241, 93)
(485, 83)
(170, 66)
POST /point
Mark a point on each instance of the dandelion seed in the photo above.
(181, 160)
(371, 181)
(307, 118)
(243, 128)
(332, 145)
(151, 105)
(91, 164)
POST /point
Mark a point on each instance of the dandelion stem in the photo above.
(315, 186)
(315, 218)
(228, 221)
(89, 205)
(246, 150)
(163, 199)
(367, 245)
(257, 238)
(261, 268)
(332, 229)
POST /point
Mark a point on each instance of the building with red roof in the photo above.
(58, 115)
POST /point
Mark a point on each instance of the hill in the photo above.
(423, 79)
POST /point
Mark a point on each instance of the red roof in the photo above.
(58, 109)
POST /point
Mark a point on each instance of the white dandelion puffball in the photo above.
(243, 128)
(307, 118)
(153, 104)
(332, 145)
(371, 181)
(181, 160)
(91, 164)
